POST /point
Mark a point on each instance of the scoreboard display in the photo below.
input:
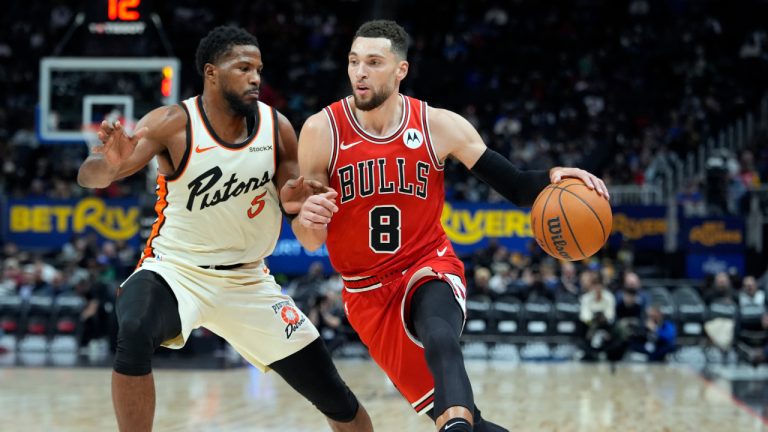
(118, 17)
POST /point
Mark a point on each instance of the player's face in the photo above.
(239, 78)
(375, 71)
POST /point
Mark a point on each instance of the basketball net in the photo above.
(91, 130)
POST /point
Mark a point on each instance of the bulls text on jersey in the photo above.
(365, 177)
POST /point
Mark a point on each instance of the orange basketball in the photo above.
(571, 221)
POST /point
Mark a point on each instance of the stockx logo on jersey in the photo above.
(413, 138)
(231, 188)
(290, 315)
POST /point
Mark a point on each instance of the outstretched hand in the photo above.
(593, 182)
(295, 191)
(117, 144)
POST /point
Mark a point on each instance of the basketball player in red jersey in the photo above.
(222, 156)
(382, 155)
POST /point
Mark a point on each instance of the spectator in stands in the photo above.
(327, 314)
(750, 294)
(720, 289)
(549, 279)
(569, 279)
(630, 301)
(597, 314)
(502, 280)
(32, 282)
(480, 285)
(93, 316)
(305, 288)
(660, 336)
(11, 277)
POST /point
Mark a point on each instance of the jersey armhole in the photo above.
(276, 141)
(334, 139)
(188, 147)
(439, 165)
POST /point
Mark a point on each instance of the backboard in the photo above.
(78, 92)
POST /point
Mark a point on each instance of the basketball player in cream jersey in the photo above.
(383, 153)
(222, 156)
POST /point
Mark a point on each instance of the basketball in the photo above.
(570, 221)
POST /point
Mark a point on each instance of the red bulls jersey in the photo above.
(390, 193)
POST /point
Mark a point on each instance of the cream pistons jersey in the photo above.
(220, 206)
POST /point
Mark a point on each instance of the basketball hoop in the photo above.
(90, 131)
(91, 135)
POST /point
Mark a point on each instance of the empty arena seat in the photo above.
(659, 296)
(566, 319)
(507, 311)
(11, 309)
(478, 315)
(66, 314)
(750, 328)
(691, 313)
(538, 316)
(38, 316)
(722, 309)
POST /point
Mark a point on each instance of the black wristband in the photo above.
(519, 187)
(290, 216)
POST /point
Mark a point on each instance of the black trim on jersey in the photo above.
(185, 158)
(252, 124)
(276, 140)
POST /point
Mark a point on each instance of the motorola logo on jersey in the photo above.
(200, 187)
(368, 176)
(413, 138)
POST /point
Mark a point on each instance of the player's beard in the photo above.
(377, 98)
(239, 106)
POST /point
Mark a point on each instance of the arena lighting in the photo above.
(167, 83)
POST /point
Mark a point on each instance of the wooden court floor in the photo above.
(520, 396)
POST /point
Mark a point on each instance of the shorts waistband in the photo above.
(366, 283)
(248, 265)
(222, 267)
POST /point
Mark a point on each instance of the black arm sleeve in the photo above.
(519, 187)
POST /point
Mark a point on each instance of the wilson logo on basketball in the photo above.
(555, 231)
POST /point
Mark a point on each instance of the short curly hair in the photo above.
(218, 42)
(388, 30)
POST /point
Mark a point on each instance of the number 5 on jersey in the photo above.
(257, 205)
(384, 229)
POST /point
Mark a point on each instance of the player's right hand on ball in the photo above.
(117, 144)
(317, 210)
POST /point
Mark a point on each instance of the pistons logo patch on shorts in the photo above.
(290, 315)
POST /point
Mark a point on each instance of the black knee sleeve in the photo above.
(437, 320)
(147, 315)
(311, 372)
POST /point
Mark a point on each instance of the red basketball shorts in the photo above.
(378, 307)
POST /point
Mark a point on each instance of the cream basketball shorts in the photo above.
(246, 307)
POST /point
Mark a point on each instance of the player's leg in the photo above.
(480, 424)
(147, 315)
(311, 372)
(438, 319)
(269, 331)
